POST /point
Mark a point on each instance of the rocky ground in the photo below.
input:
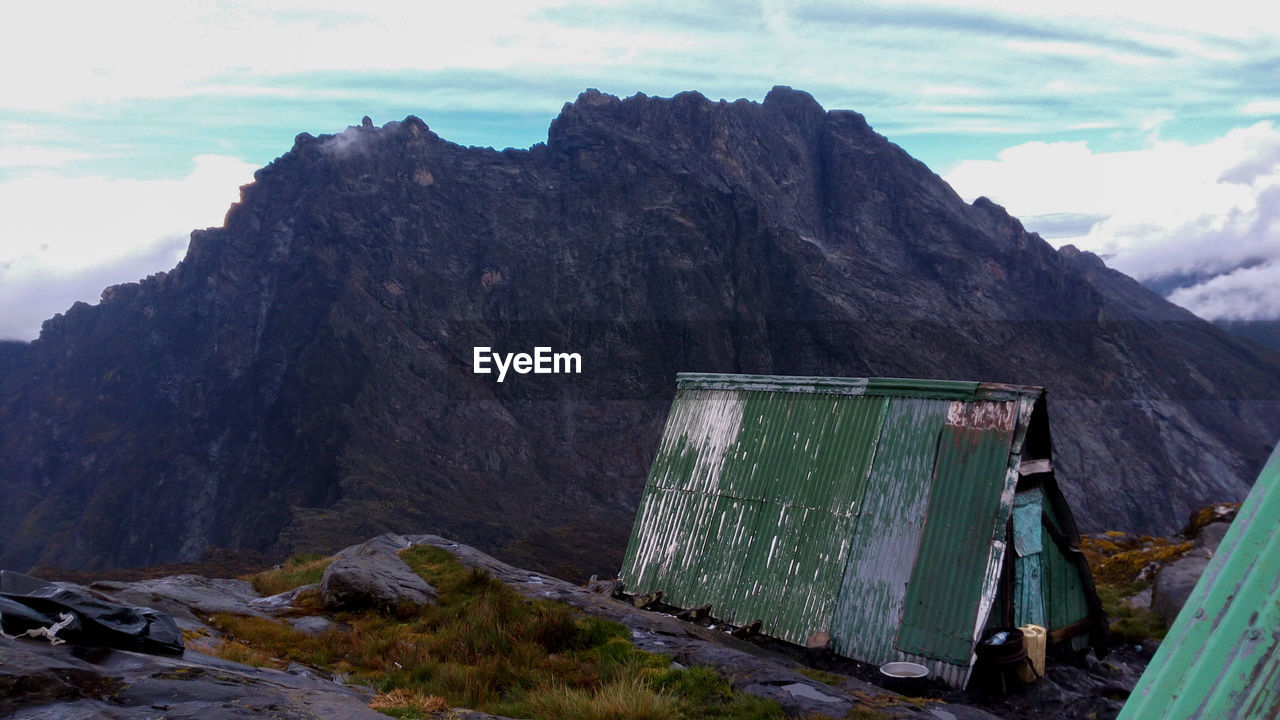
(38, 680)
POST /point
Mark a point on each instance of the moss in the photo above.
(1121, 562)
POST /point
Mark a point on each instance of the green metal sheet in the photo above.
(799, 450)
(888, 532)
(667, 554)
(954, 579)
(1221, 657)
(701, 430)
(751, 501)
(730, 537)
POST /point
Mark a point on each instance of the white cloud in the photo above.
(1168, 209)
(65, 239)
(1244, 294)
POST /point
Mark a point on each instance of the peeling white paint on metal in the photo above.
(983, 415)
(708, 424)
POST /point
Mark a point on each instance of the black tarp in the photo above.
(27, 603)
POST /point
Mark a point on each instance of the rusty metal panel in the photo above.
(1221, 657)
(887, 534)
(957, 569)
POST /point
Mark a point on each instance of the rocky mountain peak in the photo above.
(304, 377)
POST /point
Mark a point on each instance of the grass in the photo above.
(299, 570)
(486, 648)
(1133, 625)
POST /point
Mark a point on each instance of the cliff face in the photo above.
(303, 378)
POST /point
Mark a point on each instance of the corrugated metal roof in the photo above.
(874, 509)
(1221, 658)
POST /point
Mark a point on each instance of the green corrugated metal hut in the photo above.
(877, 510)
(1221, 658)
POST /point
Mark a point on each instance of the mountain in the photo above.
(304, 377)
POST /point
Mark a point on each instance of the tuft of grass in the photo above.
(1135, 625)
(301, 569)
(633, 698)
(487, 648)
(406, 703)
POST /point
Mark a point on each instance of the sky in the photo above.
(1147, 133)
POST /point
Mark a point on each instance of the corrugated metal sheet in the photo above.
(1221, 658)
(963, 543)
(751, 503)
(888, 532)
(871, 508)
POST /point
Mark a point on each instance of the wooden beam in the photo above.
(1034, 467)
(1069, 631)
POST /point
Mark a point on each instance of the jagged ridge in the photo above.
(303, 378)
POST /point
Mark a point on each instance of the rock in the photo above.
(370, 575)
(612, 588)
(282, 601)
(694, 614)
(818, 641)
(186, 597)
(1210, 536)
(751, 629)
(38, 681)
(1210, 515)
(1140, 600)
(316, 625)
(303, 378)
(1173, 585)
(646, 599)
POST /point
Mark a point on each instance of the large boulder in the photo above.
(1175, 581)
(372, 575)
